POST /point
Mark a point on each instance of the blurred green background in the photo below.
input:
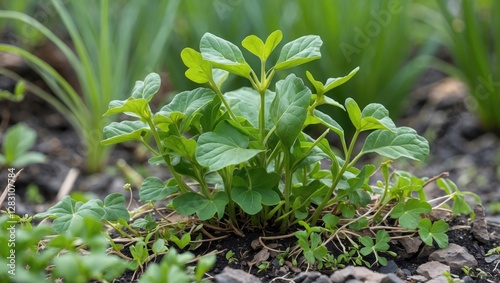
(393, 42)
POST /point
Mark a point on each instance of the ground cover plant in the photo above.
(240, 160)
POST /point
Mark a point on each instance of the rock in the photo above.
(411, 245)
(391, 267)
(432, 269)
(479, 226)
(417, 278)
(392, 278)
(455, 256)
(357, 272)
(353, 281)
(491, 258)
(311, 277)
(230, 275)
(439, 279)
(468, 279)
(425, 252)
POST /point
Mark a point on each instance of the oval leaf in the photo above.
(404, 142)
(226, 146)
(224, 55)
(289, 108)
(302, 50)
(124, 131)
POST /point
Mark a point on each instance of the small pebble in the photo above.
(491, 258)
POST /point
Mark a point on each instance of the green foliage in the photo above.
(172, 269)
(68, 212)
(16, 144)
(436, 231)
(468, 30)
(381, 244)
(246, 136)
(110, 49)
(409, 213)
(379, 34)
(61, 251)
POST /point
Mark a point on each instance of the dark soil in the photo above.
(438, 110)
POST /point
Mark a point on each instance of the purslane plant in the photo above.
(246, 149)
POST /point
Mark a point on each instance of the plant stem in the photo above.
(328, 195)
(182, 185)
(288, 185)
(227, 180)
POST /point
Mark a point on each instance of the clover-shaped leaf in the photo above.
(409, 213)
(437, 231)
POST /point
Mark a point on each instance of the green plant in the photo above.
(15, 147)
(242, 155)
(173, 269)
(468, 30)
(357, 33)
(109, 50)
(475, 273)
(230, 257)
(37, 248)
(244, 142)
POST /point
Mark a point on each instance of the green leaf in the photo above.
(354, 112)
(224, 55)
(289, 108)
(375, 116)
(183, 241)
(115, 208)
(381, 243)
(244, 102)
(255, 45)
(182, 146)
(153, 188)
(223, 147)
(18, 140)
(68, 211)
(118, 132)
(437, 231)
(300, 51)
(190, 203)
(148, 88)
(250, 197)
(159, 246)
(199, 70)
(332, 83)
(138, 108)
(185, 104)
(28, 158)
(404, 142)
(271, 42)
(327, 121)
(409, 213)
